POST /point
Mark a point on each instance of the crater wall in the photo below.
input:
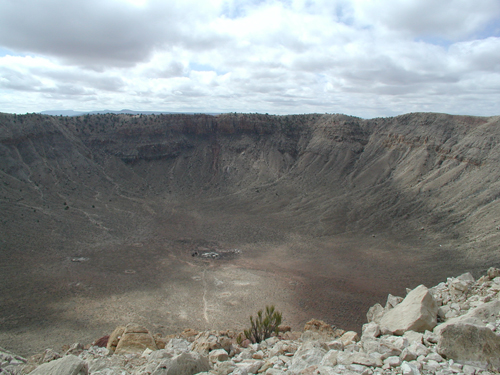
(102, 214)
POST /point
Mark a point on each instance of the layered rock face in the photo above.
(467, 343)
(433, 171)
(104, 215)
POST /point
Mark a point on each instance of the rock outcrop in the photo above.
(11, 363)
(68, 365)
(114, 338)
(470, 343)
(467, 343)
(135, 339)
(318, 329)
(417, 312)
(186, 363)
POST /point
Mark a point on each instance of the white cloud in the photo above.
(449, 19)
(478, 55)
(367, 58)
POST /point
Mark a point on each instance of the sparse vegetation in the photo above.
(264, 326)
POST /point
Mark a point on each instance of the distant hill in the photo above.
(70, 112)
(62, 112)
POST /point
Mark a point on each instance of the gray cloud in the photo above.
(171, 69)
(482, 55)
(92, 80)
(15, 80)
(450, 19)
(67, 90)
(99, 34)
(279, 56)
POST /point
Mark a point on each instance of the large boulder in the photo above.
(359, 358)
(135, 339)
(481, 315)
(11, 363)
(493, 272)
(68, 365)
(177, 346)
(205, 342)
(114, 338)
(249, 366)
(470, 343)
(183, 364)
(319, 330)
(309, 354)
(417, 312)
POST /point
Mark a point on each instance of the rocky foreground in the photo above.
(452, 328)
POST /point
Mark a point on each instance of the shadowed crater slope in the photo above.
(177, 221)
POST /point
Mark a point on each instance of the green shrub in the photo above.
(239, 339)
(264, 326)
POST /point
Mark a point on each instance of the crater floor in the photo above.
(179, 222)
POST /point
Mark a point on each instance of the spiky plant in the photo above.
(264, 325)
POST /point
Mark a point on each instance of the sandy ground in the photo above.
(160, 284)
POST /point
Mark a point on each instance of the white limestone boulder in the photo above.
(309, 354)
(417, 312)
(470, 343)
(370, 331)
(68, 365)
(480, 315)
(183, 364)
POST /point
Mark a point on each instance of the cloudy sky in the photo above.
(366, 58)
